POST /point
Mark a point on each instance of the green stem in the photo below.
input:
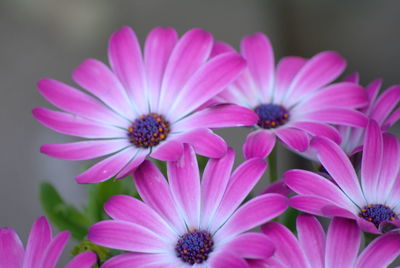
(272, 165)
(289, 218)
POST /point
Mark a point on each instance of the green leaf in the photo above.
(99, 193)
(61, 214)
(162, 166)
(202, 162)
(102, 253)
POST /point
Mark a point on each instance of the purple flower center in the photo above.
(148, 130)
(377, 213)
(194, 247)
(271, 115)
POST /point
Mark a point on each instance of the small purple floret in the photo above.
(271, 115)
(148, 130)
(378, 213)
(194, 247)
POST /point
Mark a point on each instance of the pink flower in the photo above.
(381, 108)
(144, 105)
(186, 221)
(294, 100)
(42, 251)
(339, 248)
(373, 201)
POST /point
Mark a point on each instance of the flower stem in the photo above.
(273, 165)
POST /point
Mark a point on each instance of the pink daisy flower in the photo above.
(294, 100)
(42, 251)
(143, 105)
(373, 201)
(339, 248)
(381, 108)
(185, 222)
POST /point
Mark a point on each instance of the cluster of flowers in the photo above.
(163, 105)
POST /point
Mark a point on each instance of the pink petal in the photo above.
(83, 150)
(311, 239)
(55, 249)
(381, 252)
(98, 79)
(392, 119)
(337, 164)
(342, 243)
(184, 181)
(218, 116)
(191, 51)
(134, 163)
(257, 50)
(243, 91)
(293, 138)
(215, 179)
(154, 190)
(205, 142)
(74, 125)
(11, 249)
(128, 236)
(169, 150)
(278, 187)
(240, 184)
(250, 246)
(206, 83)
(253, 213)
(346, 95)
(371, 161)
(320, 70)
(390, 165)
(152, 260)
(83, 260)
(286, 70)
(108, 167)
(386, 103)
(74, 101)
(158, 47)
(220, 48)
(318, 129)
(373, 90)
(126, 60)
(39, 239)
(338, 116)
(309, 203)
(352, 78)
(367, 226)
(336, 211)
(227, 259)
(288, 250)
(394, 196)
(308, 183)
(127, 208)
(258, 144)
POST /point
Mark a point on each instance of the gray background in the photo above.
(47, 38)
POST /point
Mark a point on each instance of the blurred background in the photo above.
(46, 38)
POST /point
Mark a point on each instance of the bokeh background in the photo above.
(47, 38)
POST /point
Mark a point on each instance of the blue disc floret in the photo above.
(194, 246)
(377, 213)
(148, 130)
(271, 115)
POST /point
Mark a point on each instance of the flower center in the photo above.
(377, 213)
(271, 115)
(194, 247)
(148, 130)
